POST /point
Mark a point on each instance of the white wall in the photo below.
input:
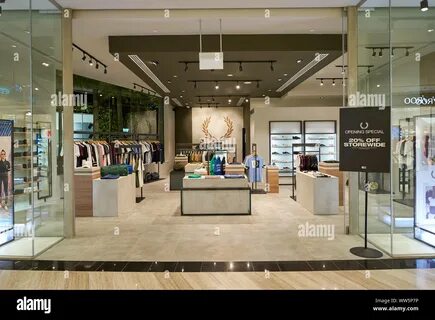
(217, 126)
(275, 111)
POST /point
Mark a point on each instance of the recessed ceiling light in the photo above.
(154, 62)
(45, 64)
(27, 31)
(28, 113)
(169, 81)
(155, 31)
(285, 74)
(264, 95)
(378, 85)
(299, 61)
(246, 100)
(101, 94)
(229, 75)
(14, 46)
(270, 90)
(181, 96)
(175, 76)
(183, 91)
(279, 79)
(312, 30)
(247, 82)
(430, 30)
(37, 89)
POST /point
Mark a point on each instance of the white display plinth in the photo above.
(215, 197)
(317, 195)
(112, 197)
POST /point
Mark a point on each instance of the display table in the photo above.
(334, 170)
(217, 196)
(112, 197)
(83, 190)
(272, 178)
(317, 195)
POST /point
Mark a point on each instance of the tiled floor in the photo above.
(330, 280)
(155, 231)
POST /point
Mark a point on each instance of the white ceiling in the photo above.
(201, 4)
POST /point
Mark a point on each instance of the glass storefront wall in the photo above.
(31, 213)
(396, 58)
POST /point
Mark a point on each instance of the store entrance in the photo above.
(242, 143)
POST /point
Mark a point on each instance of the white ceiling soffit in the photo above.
(151, 22)
(201, 4)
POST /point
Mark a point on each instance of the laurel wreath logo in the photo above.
(209, 135)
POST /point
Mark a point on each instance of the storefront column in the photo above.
(352, 88)
(68, 126)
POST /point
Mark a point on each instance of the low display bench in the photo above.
(319, 195)
(217, 196)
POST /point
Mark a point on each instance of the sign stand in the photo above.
(366, 252)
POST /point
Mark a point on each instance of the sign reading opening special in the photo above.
(365, 139)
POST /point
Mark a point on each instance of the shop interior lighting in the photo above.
(393, 50)
(330, 79)
(238, 86)
(368, 66)
(240, 63)
(424, 5)
(92, 59)
(217, 86)
(304, 70)
(321, 82)
(138, 86)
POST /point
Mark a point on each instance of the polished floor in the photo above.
(329, 280)
(155, 231)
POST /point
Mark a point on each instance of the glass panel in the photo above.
(413, 91)
(15, 105)
(373, 78)
(46, 64)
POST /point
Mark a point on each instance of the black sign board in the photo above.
(365, 138)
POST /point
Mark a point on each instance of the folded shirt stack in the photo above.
(234, 169)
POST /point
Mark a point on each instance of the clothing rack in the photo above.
(406, 131)
(304, 152)
(141, 198)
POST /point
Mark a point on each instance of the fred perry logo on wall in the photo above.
(363, 125)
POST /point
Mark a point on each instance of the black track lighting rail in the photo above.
(239, 62)
(381, 49)
(225, 80)
(91, 57)
(151, 92)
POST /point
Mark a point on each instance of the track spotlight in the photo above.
(368, 70)
(134, 86)
(271, 66)
(186, 66)
(321, 82)
(424, 5)
(199, 99)
(380, 53)
(392, 52)
(229, 100)
(212, 99)
(246, 100)
(97, 66)
(374, 53)
(217, 86)
(91, 63)
(195, 85)
(209, 105)
(258, 84)
(1, 11)
(333, 82)
(84, 57)
(240, 67)
(238, 86)
(407, 52)
(105, 70)
(344, 83)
